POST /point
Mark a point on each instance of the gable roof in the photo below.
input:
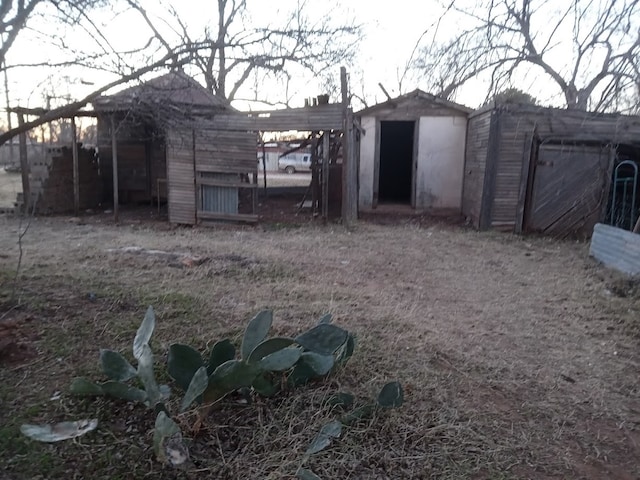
(175, 88)
(417, 97)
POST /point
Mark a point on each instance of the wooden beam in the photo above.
(214, 182)
(76, 179)
(325, 176)
(376, 165)
(24, 166)
(232, 217)
(349, 166)
(491, 172)
(525, 175)
(114, 161)
(314, 172)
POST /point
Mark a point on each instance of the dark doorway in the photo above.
(396, 161)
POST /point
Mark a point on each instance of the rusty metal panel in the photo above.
(219, 199)
(616, 248)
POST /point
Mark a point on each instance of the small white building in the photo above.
(412, 152)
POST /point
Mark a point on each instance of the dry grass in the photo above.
(519, 356)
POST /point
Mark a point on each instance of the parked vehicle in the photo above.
(295, 162)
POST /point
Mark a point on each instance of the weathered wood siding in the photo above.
(158, 158)
(222, 151)
(478, 129)
(205, 168)
(569, 190)
(181, 185)
(499, 201)
(514, 139)
(616, 248)
(321, 117)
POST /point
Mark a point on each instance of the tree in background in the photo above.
(243, 52)
(235, 58)
(589, 50)
(512, 96)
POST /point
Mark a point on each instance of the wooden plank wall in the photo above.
(517, 126)
(225, 151)
(181, 186)
(514, 132)
(321, 117)
(475, 162)
(189, 165)
(224, 159)
(616, 248)
(581, 174)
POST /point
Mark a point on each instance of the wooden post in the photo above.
(264, 165)
(76, 178)
(325, 175)
(349, 166)
(24, 167)
(12, 158)
(114, 160)
(314, 174)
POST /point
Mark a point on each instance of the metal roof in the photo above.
(418, 96)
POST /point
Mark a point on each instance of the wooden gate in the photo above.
(569, 191)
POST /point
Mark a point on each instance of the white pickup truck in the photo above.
(295, 162)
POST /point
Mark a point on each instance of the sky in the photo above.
(390, 32)
(389, 37)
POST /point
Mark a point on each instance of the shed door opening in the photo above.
(396, 161)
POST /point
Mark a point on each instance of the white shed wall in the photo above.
(367, 156)
(440, 169)
(271, 160)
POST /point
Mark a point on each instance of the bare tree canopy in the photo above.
(588, 49)
(244, 49)
(15, 15)
(232, 53)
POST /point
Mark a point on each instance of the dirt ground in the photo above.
(518, 355)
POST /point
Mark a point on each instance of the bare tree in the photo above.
(231, 56)
(588, 49)
(244, 50)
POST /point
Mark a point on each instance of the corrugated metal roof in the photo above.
(616, 248)
(417, 96)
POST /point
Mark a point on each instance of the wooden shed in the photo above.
(412, 152)
(167, 149)
(533, 169)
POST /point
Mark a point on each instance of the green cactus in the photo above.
(221, 352)
(268, 347)
(182, 363)
(119, 370)
(324, 339)
(256, 332)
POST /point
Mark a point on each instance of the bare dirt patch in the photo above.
(519, 356)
